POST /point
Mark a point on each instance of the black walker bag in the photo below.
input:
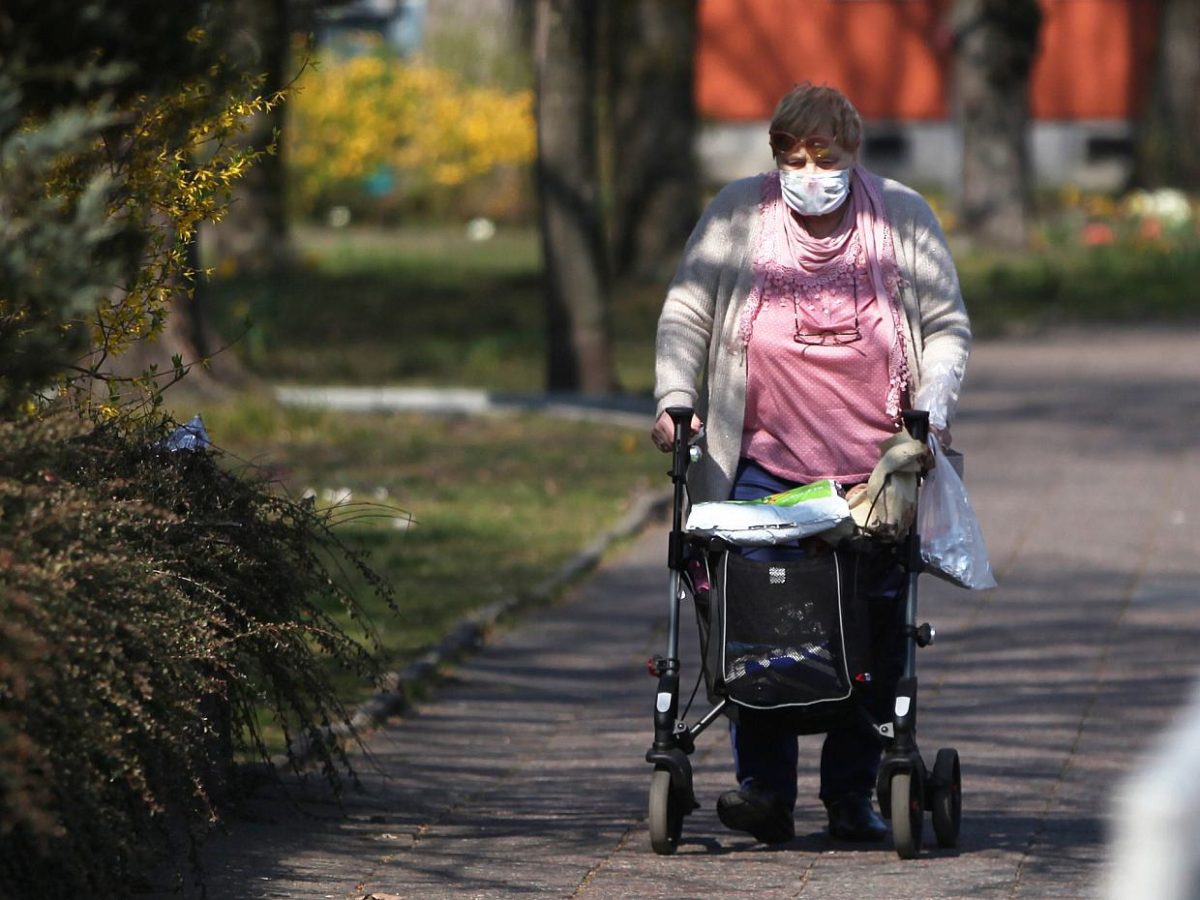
(791, 635)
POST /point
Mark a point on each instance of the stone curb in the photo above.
(471, 632)
(615, 409)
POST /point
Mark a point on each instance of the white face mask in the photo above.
(814, 193)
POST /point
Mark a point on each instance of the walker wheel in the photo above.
(946, 798)
(666, 813)
(883, 793)
(908, 813)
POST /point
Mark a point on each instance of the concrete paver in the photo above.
(523, 775)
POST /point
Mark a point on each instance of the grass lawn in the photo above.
(414, 306)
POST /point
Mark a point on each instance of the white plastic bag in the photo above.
(939, 390)
(951, 540)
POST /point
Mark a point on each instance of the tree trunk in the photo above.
(252, 236)
(212, 367)
(1170, 129)
(656, 192)
(187, 335)
(579, 354)
(995, 43)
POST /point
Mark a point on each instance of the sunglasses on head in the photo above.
(818, 147)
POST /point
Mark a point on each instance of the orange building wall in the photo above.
(892, 57)
(1094, 58)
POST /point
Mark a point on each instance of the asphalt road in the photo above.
(523, 774)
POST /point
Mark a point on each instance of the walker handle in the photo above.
(681, 416)
(917, 423)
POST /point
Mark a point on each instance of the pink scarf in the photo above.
(788, 259)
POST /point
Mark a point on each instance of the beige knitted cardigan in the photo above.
(700, 360)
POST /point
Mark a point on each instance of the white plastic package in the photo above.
(778, 519)
(951, 540)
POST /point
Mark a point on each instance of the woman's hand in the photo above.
(663, 433)
(943, 436)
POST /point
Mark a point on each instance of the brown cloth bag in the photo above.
(885, 506)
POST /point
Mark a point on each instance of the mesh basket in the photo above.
(786, 634)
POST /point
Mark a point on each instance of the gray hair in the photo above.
(809, 109)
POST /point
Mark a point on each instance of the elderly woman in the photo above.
(812, 304)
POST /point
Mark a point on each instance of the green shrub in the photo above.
(1092, 258)
(152, 606)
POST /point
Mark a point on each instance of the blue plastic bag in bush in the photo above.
(190, 436)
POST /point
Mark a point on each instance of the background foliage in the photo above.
(388, 139)
(1093, 257)
(115, 142)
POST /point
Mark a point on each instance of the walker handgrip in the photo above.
(681, 417)
(917, 423)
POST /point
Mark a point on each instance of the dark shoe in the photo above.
(767, 821)
(855, 819)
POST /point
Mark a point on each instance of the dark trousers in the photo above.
(765, 748)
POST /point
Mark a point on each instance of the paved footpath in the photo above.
(523, 776)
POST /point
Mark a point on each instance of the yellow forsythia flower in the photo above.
(415, 128)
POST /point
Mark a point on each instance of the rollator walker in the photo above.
(906, 788)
